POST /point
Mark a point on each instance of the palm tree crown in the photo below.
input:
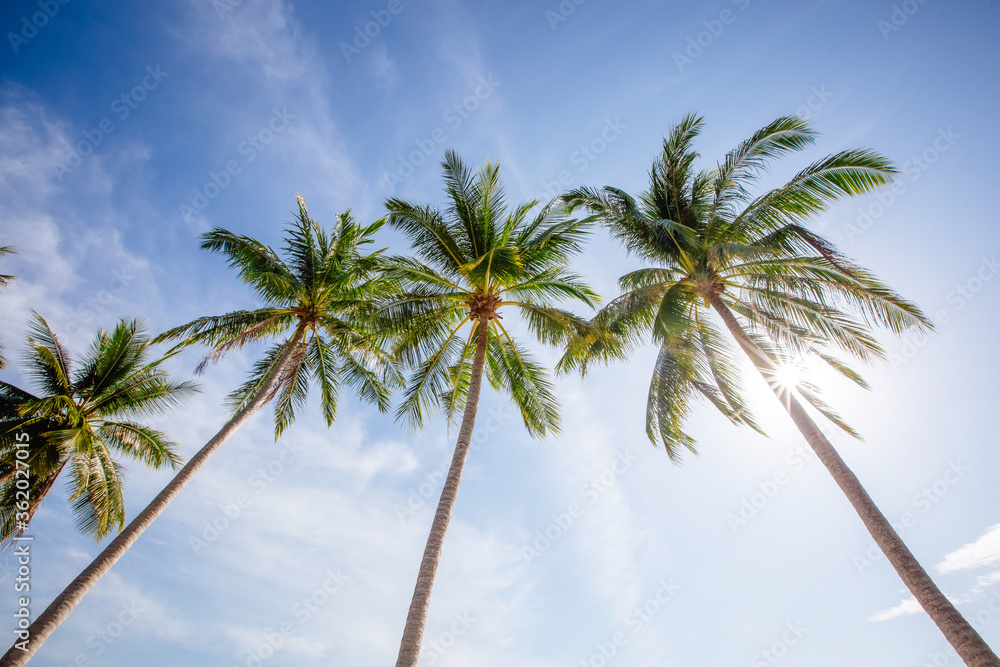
(708, 238)
(81, 418)
(471, 262)
(782, 292)
(324, 291)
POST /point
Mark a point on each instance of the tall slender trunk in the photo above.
(964, 639)
(60, 608)
(416, 618)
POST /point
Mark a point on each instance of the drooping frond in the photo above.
(510, 368)
(321, 295)
(710, 241)
(475, 259)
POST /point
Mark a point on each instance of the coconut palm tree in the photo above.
(82, 418)
(5, 250)
(473, 261)
(314, 303)
(781, 291)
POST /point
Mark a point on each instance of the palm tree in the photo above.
(315, 303)
(781, 291)
(472, 261)
(82, 418)
(5, 250)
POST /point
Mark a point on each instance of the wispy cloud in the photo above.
(908, 607)
(383, 67)
(984, 551)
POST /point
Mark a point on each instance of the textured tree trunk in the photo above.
(416, 618)
(964, 639)
(61, 607)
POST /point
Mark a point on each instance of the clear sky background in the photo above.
(104, 198)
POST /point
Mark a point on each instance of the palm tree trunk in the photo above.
(416, 618)
(964, 639)
(60, 608)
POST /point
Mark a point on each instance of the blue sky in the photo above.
(128, 130)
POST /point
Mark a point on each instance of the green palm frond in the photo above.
(76, 422)
(4, 251)
(707, 237)
(512, 370)
(475, 259)
(49, 363)
(321, 295)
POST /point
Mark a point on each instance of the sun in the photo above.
(785, 378)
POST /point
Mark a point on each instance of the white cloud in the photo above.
(986, 580)
(984, 551)
(908, 607)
